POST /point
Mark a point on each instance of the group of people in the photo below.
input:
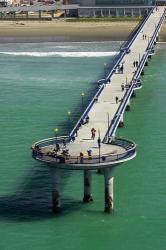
(144, 36)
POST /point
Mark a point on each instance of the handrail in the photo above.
(130, 41)
(129, 146)
(120, 55)
(138, 30)
(85, 113)
(151, 43)
(114, 124)
(52, 140)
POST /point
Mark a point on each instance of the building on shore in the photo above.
(111, 2)
(100, 8)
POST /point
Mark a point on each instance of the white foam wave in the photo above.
(61, 54)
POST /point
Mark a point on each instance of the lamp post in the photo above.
(139, 58)
(56, 134)
(108, 119)
(105, 70)
(82, 100)
(99, 143)
(127, 83)
(69, 119)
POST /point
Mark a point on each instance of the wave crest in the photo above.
(61, 54)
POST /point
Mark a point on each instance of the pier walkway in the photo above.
(79, 151)
(105, 113)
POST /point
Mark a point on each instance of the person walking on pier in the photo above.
(93, 132)
(121, 69)
(89, 151)
(134, 64)
(116, 99)
(143, 37)
(122, 86)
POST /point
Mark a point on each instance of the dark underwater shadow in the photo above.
(32, 199)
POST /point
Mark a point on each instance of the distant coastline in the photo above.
(61, 31)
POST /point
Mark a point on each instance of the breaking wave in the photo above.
(61, 54)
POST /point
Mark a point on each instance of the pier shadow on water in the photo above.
(32, 199)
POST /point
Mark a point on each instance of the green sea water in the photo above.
(39, 84)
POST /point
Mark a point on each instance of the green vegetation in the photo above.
(104, 19)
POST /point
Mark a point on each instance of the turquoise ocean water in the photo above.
(39, 84)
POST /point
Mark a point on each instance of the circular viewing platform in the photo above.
(63, 153)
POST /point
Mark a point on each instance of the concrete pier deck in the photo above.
(103, 111)
(106, 102)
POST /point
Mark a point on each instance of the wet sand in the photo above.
(61, 31)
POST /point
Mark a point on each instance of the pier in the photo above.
(92, 144)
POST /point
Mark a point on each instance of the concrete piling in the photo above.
(56, 202)
(108, 178)
(87, 186)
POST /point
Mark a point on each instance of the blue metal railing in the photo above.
(151, 43)
(115, 122)
(128, 94)
(129, 42)
(126, 46)
(43, 155)
(117, 60)
(85, 114)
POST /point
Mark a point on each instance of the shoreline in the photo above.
(61, 31)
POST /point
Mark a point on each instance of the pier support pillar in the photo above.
(87, 186)
(142, 73)
(56, 203)
(146, 64)
(121, 123)
(108, 178)
(133, 94)
(128, 106)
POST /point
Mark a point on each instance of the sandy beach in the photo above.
(61, 31)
